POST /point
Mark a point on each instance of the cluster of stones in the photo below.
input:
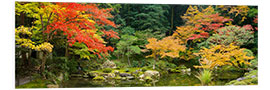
(148, 75)
(181, 69)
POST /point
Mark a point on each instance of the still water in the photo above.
(174, 79)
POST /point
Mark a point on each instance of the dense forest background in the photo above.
(49, 42)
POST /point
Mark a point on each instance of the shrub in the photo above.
(107, 70)
(135, 64)
(222, 55)
(127, 70)
(205, 76)
(119, 64)
(144, 69)
(232, 34)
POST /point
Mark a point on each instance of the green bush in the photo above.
(135, 64)
(127, 70)
(120, 64)
(144, 69)
(107, 70)
(231, 34)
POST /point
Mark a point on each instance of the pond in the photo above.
(172, 79)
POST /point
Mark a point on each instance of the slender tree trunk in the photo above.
(128, 59)
(43, 62)
(171, 20)
(24, 59)
(22, 18)
(154, 65)
(66, 52)
(29, 58)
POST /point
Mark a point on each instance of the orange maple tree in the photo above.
(83, 23)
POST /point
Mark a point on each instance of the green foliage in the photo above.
(107, 70)
(135, 63)
(144, 69)
(126, 47)
(205, 77)
(146, 17)
(81, 50)
(127, 70)
(128, 30)
(232, 34)
(120, 64)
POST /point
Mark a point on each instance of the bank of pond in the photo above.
(145, 77)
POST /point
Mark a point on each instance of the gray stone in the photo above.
(109, 64)
(240, 79)
(151, 73)
(116, 72)
(124, 74)
(130, 77)
(111, 75)
(253, 76)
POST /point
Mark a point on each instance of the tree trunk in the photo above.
(154, 65)
(43, 62)
(24, 59)
(171, 20)
(66, 52)
(29, 58)
(128, 61)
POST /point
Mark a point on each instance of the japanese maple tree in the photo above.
(83, 23)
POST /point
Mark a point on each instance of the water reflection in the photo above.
(174, 79)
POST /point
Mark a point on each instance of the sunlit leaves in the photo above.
(236, 10)
(197, 22)
(82, 23)
(167, 47)
(220, 55)
(23, 38)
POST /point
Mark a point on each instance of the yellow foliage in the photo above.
(193, 15)
(168, 46)
(44, 47)
(221, 55)
(28, 43)
(236, 10)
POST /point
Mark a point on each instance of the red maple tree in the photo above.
(79, 22)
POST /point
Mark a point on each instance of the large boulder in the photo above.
(109, 64)
(151, 73)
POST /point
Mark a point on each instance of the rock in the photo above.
(151, 73)
(188, 70)
(116, 72)
(109, 64)
(85, 76)
(93, 74)
(124, 74)
(117, 78)
(61, 77)
(130, 77)
(99, 78)
(148, 78)
(52, 86)
(111, 75)
(253, 76)
(241, 78)
(123, 78)
(141, 76)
